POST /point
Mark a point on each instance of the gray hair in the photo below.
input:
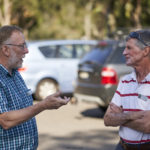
(144, 35)
(6, 32)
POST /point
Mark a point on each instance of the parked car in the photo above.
(99, 73)
(52, 65)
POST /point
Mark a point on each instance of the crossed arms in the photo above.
(139, 120)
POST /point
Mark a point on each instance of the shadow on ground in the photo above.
(93, 140)
(94, 112)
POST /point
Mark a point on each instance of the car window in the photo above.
(48, 51)
(81, 50)
(65, 51)
(98, 54)
(117, 57)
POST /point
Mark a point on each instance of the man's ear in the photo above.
(146, 51)
(5, 50)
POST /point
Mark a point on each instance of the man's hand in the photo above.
(54, 101)
(115, 116)
(115, 109)
(13, 118)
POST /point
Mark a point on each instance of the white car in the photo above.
(51, 66)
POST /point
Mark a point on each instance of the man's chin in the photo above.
(128, 63)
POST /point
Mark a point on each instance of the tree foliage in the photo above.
(65, 19)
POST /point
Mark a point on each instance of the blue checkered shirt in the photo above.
(14, 95)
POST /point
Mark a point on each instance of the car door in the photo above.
(66, 58)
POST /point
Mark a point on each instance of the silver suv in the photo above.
(52, 65)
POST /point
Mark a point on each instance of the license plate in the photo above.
(84, 75)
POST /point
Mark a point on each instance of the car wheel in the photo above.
(45, 87)
(103, 108)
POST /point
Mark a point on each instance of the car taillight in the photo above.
(22, 69)
(108, 76)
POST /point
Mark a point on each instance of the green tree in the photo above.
(65, 19)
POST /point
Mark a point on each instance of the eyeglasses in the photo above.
(22, 46)
(137, 36)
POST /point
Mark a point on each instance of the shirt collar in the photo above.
(5, 71)
(133, 76)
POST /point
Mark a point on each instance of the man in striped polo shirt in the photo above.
(18, 129)
(130, 106)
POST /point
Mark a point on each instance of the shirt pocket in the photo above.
(144, 98)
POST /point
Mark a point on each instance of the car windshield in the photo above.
(98, 54)
(117, 56)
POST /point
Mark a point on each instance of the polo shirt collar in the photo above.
(133, 76)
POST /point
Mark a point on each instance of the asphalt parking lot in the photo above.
(75, 127)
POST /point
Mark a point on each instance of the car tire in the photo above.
(45, 87)
(103, 108)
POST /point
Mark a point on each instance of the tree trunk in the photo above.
(5, 13)
(87, 20)
(137, 13)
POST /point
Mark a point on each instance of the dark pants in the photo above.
(137, 146)
(119, 147)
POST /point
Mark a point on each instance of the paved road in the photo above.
(75, 127)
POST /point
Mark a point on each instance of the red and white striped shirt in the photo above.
(133, 96)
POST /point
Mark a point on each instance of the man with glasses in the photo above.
(18, 130)
(130, 106)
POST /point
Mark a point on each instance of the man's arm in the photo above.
(139, 120)
(142, 123)
(116, 117)
(13, 118)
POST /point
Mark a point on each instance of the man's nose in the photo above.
(26, 50)
(125, 51)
